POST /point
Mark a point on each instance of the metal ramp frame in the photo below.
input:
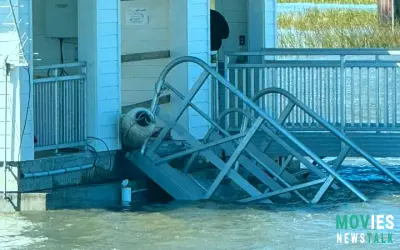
(276, 179)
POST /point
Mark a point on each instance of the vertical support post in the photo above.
(217, 103)
(7, 66)
(342, 97)
(84, 71)
(56, 111)
(377, 80)
(342, 93)
(227, 102)
(214, 87)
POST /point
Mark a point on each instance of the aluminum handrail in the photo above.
(59, 66)
(317, 63)
(249, 103)
(317, 52)
(325, 124)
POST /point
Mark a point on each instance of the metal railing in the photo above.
(60, 106)
(353, 89)
(262, 120)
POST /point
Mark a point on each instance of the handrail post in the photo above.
(84, 71)
(5, 163)
(214, 88)
(227, 93)
(56, 106)
(342, 93)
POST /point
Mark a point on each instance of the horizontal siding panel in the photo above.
(198, 22)
(136, 35)
(108, 54)
(200, 34)
(108, 80)
(129, 47)
(108, 67)
(139, 78)
(155, 62)
(106, 29)
(108, 131)
(108, 4)
(138, 84)
(109, 105)
(109, 93)
(112, 143)
(198, 9)
(132, 97)
(141, 71)
(109, 118)
(110, 41)
(107, 16)
(196, 47)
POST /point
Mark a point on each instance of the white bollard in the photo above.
(126, 194)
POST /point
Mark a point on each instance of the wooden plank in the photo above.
(146, 56)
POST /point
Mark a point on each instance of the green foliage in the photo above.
(368, 37)
(316, 19)
(336, 29)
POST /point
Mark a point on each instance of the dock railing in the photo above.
(352, 89)
(60, 106)
(157, 167)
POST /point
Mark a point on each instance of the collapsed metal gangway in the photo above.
(276, 180)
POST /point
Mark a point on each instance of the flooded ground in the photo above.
(209, 225)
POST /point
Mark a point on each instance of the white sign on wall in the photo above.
(136, 16)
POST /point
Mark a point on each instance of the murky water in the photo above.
(207, 225)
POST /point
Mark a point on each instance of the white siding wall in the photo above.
(99, 46)
(189, 29)
(235, 13)
(139, 78)
(180, 26)
(199, 46)
(18, 87)
(109, 71)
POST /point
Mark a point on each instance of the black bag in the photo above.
(219, 29)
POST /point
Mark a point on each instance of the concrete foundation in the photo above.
(100, 196)
(97, 187)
